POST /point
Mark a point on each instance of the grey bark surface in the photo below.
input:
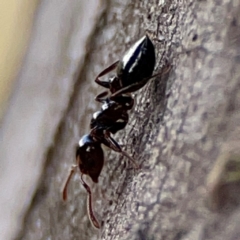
(184, 124)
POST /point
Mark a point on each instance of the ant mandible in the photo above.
(132, 73)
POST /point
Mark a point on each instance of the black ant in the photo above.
(132, 73)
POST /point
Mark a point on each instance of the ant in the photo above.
(132, 73)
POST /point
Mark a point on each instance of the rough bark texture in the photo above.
(184, 131)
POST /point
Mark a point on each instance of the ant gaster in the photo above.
(132, 73)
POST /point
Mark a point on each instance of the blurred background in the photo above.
(42, 47)
(15, 32)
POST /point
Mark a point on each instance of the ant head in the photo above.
(89, 156)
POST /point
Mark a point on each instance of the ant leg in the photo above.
(136, 86)
(115, 146)
(108, 141)
(92, 217)
(131, 88)
(104, 72)
(101, 97)
(71, 172)
(126, 100)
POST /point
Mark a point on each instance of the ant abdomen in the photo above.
(138, 63)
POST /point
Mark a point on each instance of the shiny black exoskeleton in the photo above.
(113, 115)
(88, 151)
(132, 73)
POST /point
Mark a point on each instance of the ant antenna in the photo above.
(92, 217)
(72, 171)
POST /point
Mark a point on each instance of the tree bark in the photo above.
(184, 131)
